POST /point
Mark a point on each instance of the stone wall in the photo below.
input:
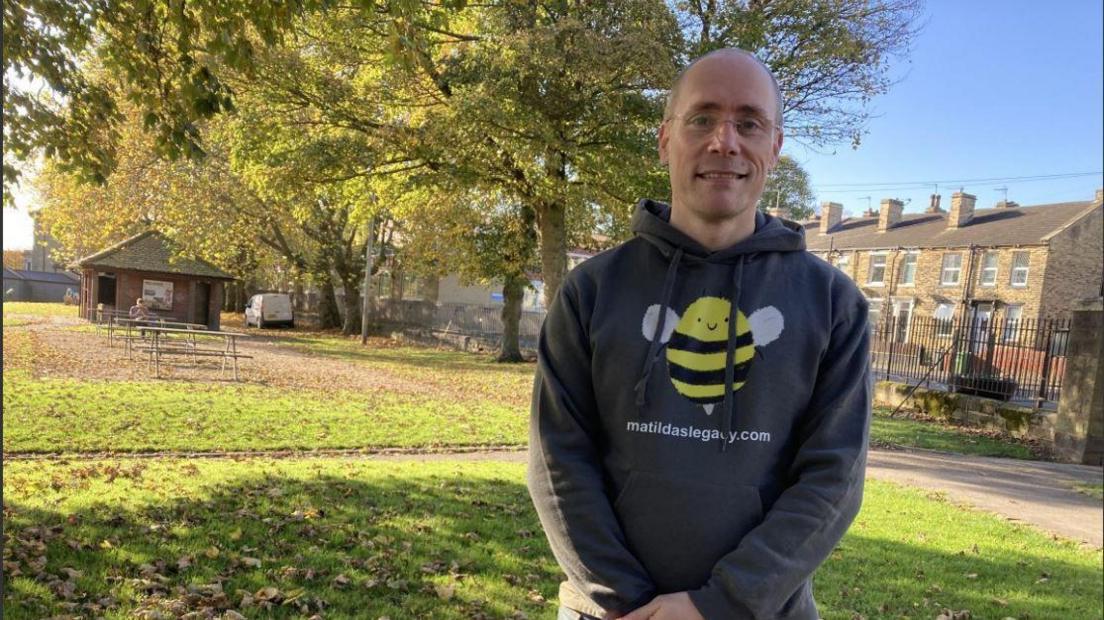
(1074, 270)
(1080, 420)
(971, 410)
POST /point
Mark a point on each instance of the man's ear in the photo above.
(664, 137)
(778, 137)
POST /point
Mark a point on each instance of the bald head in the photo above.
(672, 97)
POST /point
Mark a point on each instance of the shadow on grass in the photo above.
(435, 546)
(438, 546)
(877, 578)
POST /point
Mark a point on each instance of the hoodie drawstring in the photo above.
(641, 388)
(726, 413)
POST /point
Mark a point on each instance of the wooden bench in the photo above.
(172, 341)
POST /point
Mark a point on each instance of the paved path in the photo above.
(1033, 492)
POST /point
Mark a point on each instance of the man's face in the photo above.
(720, 175)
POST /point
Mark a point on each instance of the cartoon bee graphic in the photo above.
(697, 344)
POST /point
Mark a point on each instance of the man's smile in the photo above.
(721, 174)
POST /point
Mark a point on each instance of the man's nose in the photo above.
(725, 140)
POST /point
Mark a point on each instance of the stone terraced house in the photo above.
(1007, 263)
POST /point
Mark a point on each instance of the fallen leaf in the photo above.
(445, 591)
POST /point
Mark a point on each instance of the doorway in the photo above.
(202, 308)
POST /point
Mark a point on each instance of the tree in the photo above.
(482, 237)
(13, 259)
(788, 189)
(830, 57)
(162, 55)
(201, 207)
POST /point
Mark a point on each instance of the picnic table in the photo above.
(168, 341)
(136, 328)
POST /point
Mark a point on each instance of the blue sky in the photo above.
(990, 89)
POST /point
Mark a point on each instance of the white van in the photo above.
(269, 309)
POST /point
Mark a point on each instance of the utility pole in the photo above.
(367, 281)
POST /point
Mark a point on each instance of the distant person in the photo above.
(139, 310)
(702, 399)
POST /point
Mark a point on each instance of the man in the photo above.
(701, 405)
(139, 309)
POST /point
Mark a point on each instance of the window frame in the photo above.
(870, 268)
(1026, 269)
(1010, 326)
(915, 256)
(875, 306)
(944, 327)
(995, 269)
(943, 270)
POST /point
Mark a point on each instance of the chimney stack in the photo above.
(1006, 204)
(934, 206)
(779, 212)
(830, 215)
(890, 214)
(962, 209)
(1099, 195)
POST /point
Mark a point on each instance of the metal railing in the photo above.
(1015, 360)
(470, 320)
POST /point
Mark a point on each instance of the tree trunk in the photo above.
(352, 308)
(513, 291)
(328, 316)
(553, 248)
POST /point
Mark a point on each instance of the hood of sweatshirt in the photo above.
(651, 221)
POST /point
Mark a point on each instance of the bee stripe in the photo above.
(683, 342)
(708, 377)
(703, 394)
(706, 361)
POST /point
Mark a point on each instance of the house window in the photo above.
(874, 313)
(952, 269)
(1020, 261)
(902, 314)
(907, 275)
(1012, 316)
(876, 274)
(989, 269)
(944, 319)
(843, 263)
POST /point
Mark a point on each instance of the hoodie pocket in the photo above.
(679, 528)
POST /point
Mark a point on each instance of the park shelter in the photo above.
(151, 266)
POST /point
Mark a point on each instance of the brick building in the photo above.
(1005, 263)
(150, 266)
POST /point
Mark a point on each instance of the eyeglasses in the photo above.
(703, 124)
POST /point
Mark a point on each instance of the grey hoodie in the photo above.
(699, 421)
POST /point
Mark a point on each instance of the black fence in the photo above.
(1013, 360)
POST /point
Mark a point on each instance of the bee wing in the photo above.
(766, 325)
(651, 322)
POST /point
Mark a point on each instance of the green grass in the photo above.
(903, 432)
(63, 415)
(39, 309)
(10, 322)
(361, 539)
